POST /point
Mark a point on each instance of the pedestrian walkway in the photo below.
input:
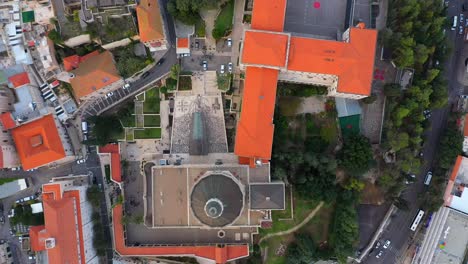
(295, 228)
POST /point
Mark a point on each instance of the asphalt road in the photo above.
(398, 231)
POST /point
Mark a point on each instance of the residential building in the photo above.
(8, 155)
(6, 256)
(67, 235)
(10, 188)
(93, 75)
(41, 142)
(151, 25)
(270, 55)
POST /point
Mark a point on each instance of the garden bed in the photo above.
(223, 23)
(185, 83)
(152, 121)
(152, 101)
(148, 133)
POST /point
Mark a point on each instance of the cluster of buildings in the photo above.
(222, 198)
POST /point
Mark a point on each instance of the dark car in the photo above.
(144, 75)
(161, 61)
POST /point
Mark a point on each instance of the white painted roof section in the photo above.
(37, 208)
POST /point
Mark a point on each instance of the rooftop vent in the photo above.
(50, 243)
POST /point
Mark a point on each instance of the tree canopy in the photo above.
(356, 155)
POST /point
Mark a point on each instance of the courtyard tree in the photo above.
(356, 155)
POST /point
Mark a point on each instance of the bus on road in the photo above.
(417, 220)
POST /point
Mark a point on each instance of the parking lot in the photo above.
(323, 18)
(195, 62)
(105, 101)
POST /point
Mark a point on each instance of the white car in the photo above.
(109, 94)
(126, 86)
(222, 68)
(229, 42)
(230, 67)
(80, 161)
(205, 65)
(379, 254)
(387, 244)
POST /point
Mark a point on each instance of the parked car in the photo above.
(126, 86)
(460, 30)
(144, 75)
(109, 94)
(230, 67)
(229, 42)
(205, 65)
(377, 245)
(427, 114)
(222, 68)
(387, 244)
(80, 161)
(2, 219)
(462, 18)
(379, 254)
(197, 45)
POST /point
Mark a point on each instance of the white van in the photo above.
(455, 21)
(84, 127)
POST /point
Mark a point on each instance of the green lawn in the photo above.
(223, 23)
(151, 104)
(128, 121)
(200, 28)
(224, 81)
(185, 83)
(148, 133)
(129, 135)
(6, 180)
(152, 121)
(301, 209)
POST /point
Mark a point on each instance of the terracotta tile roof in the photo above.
(19, 79)
(38, 142)
(254, 135)
(93, 74)
(352, 62)
(220, 255)
(62, 217)
(264, 48)
(1, 158)
(116, 170)
(36, 238)
(182, 42)
(72, 62)
(269, 15)
(7, 120)
(149, 21)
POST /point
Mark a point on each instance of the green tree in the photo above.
(356, 155)
(93, 194)
(302, 250)
(392, 90)
(175, 70)
(450, 146)
(105, 129)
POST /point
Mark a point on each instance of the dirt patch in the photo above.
(372, 195)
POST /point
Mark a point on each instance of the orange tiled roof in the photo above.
(62, 216)
(254, 135)
(209, 252)
(93, 74)
(38, 142)
(72, 62)
(37, 243)
(7, 120)
(352, 62)
(269, 15)
(19, 79)
(116, 170)
(265, 48)
(149, 21)
(182, 42)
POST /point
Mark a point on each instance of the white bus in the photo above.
(455, 21)
(417, 220)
